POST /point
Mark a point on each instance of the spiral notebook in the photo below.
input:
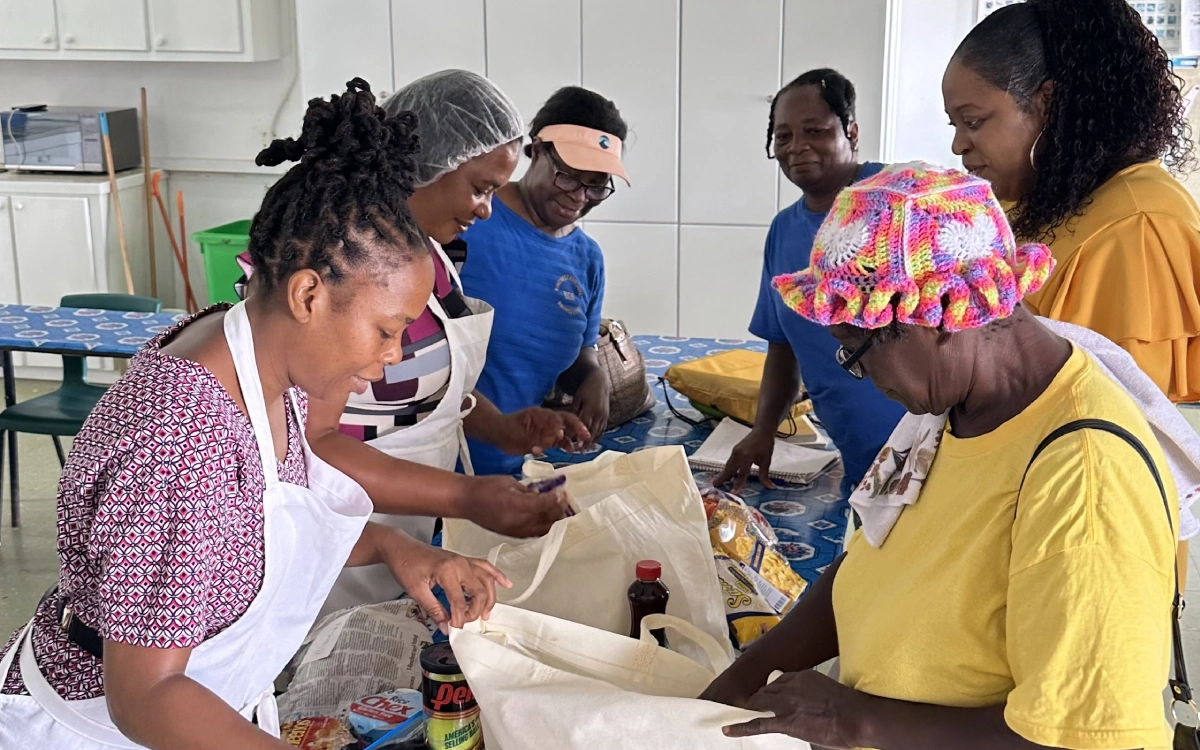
(791, 463)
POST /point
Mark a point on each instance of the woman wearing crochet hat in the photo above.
(1016, 592)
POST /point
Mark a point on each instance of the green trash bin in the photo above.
(220, 247)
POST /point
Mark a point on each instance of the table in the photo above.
(68, 330)
(809, 521)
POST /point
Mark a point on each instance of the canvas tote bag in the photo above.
(632, 507)
(545, 682)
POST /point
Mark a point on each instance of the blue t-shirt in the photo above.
(857, 416)
(547, 293)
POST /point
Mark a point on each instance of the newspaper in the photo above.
(354, 653)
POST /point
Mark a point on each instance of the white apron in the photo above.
(308, 534)
(437, 440)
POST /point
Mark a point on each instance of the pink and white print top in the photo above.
(160, 518)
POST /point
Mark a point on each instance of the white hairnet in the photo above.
(460, 115)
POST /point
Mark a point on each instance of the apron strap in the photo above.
(241, 347)
(60, 710)
(451, 271)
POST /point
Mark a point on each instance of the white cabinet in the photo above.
(210, 26)
(641, 274)
(719, 272)
(332, 52)
(729, 68)
(107, 25)
(58, 236)
(141, 30)
(8, 264)
(643, 80)
(53, 240)
(28, 25)
(417, 52)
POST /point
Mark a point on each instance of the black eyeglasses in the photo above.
(849, 359)
(569, 183)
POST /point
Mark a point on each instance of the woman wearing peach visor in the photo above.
(539, 270)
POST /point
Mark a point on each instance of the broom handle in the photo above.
(190, 298)
(116, 200)
(183, 240)
(149, 198)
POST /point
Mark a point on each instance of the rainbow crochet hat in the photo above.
(934, 240)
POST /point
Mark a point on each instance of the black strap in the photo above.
(1180, 689)
(81, 635)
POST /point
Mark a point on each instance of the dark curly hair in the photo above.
(346, 202)
(836, 89)
(1115, 100)
(574, 105)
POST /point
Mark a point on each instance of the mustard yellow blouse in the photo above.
(1129, 268)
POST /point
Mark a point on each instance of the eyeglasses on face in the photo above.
(569, 183)
(849, 360)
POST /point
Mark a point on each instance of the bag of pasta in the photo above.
(758, 584)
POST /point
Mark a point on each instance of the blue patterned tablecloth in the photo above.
(57, 330)
(809, 521)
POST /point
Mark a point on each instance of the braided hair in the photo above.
(345, 203)
(836, 90)
(1115, 100)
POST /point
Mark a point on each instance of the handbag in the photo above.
(625, 366)
(631, 507)
(545, 682)
(1186, 737)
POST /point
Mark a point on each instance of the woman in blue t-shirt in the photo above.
(541, 273)
(813, 134)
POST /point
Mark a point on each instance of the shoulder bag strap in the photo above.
(1181, 692)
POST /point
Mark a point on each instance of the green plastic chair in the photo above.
(62, 412)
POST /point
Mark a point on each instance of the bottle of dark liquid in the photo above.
(647, 596)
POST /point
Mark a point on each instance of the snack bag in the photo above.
(397, 718)
(750, 615)
(735, 534)
(732, 505)
(318, 733)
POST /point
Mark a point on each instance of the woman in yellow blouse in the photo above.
(1070, 110)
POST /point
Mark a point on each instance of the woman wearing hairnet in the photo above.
(401, 437)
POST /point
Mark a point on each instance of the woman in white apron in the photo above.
(403, 438)
(198, 534)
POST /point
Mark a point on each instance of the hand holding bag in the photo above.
(632, 507)
(545, 682)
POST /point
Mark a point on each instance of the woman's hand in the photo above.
(470, 584)
(736, 685)
(536, 429)
(591, 402)
(756, 449)
(808, 706)
(505, 506)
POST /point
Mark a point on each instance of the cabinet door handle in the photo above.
(47, 38)
(69, 39)
(160, 41)
(19, 206)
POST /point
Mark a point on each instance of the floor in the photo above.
(29, 563)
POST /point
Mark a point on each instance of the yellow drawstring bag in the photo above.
(727, 384)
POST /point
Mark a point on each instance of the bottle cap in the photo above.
(649, 570)
(438, 658)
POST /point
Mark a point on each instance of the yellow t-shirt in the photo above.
(1058, 606)
(1129, 268)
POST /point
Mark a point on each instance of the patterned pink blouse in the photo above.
(160, 518)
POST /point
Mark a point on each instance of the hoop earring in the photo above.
(1033, 151)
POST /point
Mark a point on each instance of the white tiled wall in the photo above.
(692, 77)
